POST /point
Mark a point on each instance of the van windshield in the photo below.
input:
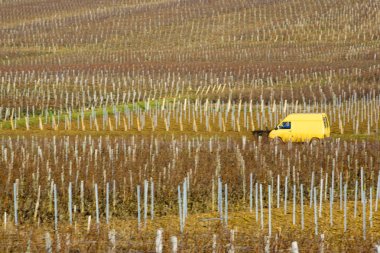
(285, 125)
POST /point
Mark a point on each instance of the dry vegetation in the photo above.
(129, 94)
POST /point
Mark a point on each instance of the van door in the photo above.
(285, 131)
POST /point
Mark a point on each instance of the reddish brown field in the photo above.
(135, 93)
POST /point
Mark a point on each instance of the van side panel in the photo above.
(307, 130)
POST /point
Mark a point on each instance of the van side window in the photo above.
(285, 125)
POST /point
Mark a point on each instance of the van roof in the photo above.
(305, 116)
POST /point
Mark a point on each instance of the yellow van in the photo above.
(302, 127)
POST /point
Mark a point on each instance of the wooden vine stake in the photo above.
(40, 123)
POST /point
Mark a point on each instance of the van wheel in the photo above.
(314, 142)
(277, 141)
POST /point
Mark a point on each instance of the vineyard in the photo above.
(127, 126)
